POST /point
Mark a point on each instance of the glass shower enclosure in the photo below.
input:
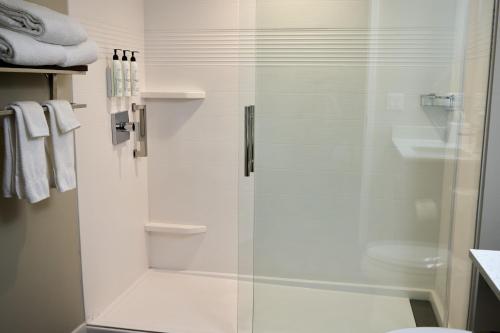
(361, 160)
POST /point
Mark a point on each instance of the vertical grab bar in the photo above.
(249, 139)
(142, 137)
(252, 137)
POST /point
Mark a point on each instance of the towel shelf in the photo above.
(8, 112)
(75, 70)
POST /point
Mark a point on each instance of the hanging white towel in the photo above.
(41, 23)
(25, 153)
(61, 144)
(19, 49)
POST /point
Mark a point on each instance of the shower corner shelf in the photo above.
(171, 228)
(174, 95)
(448, 102)
(75, 70)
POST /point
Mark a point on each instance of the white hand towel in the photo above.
(19, 49)
(30, 172)
(34, 118)
(66, 119)
(41, 23)
(61, 144)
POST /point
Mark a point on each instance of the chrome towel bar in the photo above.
(9, 112)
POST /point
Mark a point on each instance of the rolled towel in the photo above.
(19, 49)
(61, 144)
(41, 23)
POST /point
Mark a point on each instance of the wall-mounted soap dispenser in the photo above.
(117, 75)
(127, 87)
(134, 74)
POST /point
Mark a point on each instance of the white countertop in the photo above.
(488, 263)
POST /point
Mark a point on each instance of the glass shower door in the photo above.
(360, 108)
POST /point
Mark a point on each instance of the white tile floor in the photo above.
(183, 303)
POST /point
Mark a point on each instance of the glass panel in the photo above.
(364, 110)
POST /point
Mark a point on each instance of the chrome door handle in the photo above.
(142, 131)
(249, 139)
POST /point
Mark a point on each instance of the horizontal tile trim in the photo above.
(335, 46)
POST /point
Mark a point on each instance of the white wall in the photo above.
(113, 197)
(193, 160)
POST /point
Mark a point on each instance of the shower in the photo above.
(281, 166)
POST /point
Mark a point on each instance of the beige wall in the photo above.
(40, 279)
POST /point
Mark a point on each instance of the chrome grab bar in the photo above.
(142, 130)
(249, 139)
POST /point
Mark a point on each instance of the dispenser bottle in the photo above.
(127, 87)
(117, 75)
(134, 74)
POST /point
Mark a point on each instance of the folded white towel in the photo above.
(19, 49)
(82, 54)
(27, 160)
(61, 144)
(41, 23)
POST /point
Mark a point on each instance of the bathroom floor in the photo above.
(163, 301)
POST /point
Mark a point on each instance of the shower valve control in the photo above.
(125, 127)
(121, 127)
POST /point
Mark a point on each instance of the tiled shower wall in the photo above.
(193, 163)
(335, 78)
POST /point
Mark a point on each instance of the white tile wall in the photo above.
(193, 163)
(324, 131)
(112, 191)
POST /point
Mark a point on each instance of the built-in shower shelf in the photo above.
(177, 95)
(179, 229)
